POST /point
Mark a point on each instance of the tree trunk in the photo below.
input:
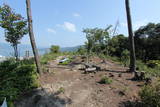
(15, 47)
(131, 38)
(31, 35)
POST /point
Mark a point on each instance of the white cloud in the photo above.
(68, 26)
(76, 15)
(51, 30)
(136, 24)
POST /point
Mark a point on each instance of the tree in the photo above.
(131, 38)
(117, 44)
(96, 40)
(55, 49)
(15, 27)
(147, 41)
(31, 35)
(81, 50)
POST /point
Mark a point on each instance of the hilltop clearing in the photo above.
(67, 86)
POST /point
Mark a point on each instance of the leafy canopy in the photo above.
(14, 24)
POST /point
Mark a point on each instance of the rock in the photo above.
(140, 75)
(120, 75)
(111, 75)
(37, 98)
(150, 80)
(121, 93)
(97, 67)
(92, 76)
(83, 60)
(80, 67)
(90, 70)
(83, 57)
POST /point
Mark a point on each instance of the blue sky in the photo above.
(60, 22)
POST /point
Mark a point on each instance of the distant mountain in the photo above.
(7, 50)
(71, 49)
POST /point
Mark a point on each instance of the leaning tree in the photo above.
(31, 35)
(131, 38)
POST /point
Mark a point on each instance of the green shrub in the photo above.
(61, 90)
(55, 49)
(27, 61)
(153, 63)
(150, 95)
(105, 80)
(15, 79)
(48, 57)
(125, 57)
(148, 71)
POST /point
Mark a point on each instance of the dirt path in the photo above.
(64, 87)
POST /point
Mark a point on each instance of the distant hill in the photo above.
(7, 50)
(71, 49)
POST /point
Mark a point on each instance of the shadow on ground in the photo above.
(42, 98)
(131, 104)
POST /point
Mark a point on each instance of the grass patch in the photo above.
(105, 80)
(61, 90)
(48, 57)
(150, 95)
(148, 70)
(52, 56)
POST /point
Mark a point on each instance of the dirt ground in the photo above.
(67, 86)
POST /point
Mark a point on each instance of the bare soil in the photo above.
(67, 86)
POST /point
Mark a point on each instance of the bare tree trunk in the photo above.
(131, 38)
(15, 47)
(31, 35)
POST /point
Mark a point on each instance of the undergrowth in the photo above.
(16, 78)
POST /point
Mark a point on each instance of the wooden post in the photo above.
(31, 35)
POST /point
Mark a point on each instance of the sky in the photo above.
(61, 22)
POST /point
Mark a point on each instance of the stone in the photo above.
(120, 75)
(90, 70)
(37, 98)
(140, 75)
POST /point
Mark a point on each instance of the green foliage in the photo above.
(125, 57)
(52, 56)
(117, 44)
(81, 51)
(153, 63)
(61, 90)
(147, 42)
(48, 57)
(150, 95)
(149, 72)
(15, 27)
(55, 49)
(16, 78)
(96, 39)
(27, 61)
(105, 80)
